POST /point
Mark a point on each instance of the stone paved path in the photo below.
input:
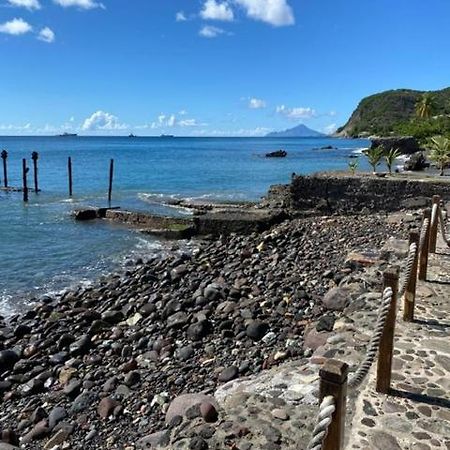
(416, 416)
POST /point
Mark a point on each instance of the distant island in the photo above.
(402, 112)
(296, 132)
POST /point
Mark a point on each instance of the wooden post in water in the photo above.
(333, 381)
(435, 223)
(111, 174)
(384, 369)
(4, 156)
(409, 299)
(423, 261)
(24, 176)
(35, 157)
(69, 170)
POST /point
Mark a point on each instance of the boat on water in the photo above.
(68, 135)
(167, 136)
(131, 135)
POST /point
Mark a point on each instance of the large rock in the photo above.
(337, 298)
(406, 144)
(415, 162)
(182, 403)
(7, 359)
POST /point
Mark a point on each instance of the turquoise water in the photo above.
(42, 249)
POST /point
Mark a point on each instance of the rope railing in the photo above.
(328, 432)
(412, 254)
(443, 230)
(358, 376)
(326, 410)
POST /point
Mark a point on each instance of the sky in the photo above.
(210, 67)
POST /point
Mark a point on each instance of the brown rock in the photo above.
(106, 407)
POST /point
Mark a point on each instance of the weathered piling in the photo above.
(410, 292)
(111, 175)
(333, 381)
(24, 178)
(35, 157)
(4, 156)
(69, 171)
(384, 369)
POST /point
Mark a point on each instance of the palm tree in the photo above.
(425, 106)
(374, 155)
(353, 165)
(440, 152)
(390, 156)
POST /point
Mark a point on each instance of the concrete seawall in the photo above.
(331, 193)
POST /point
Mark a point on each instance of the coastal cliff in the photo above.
(385, 113)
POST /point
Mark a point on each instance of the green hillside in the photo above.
(394, 112)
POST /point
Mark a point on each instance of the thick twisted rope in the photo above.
(358, 376)
(409, 267)
(423, 233)
(326, 411)
(443, 230)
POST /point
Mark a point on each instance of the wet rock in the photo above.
(80, 346)
(7, 359)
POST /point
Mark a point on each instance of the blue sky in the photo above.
(210, 67)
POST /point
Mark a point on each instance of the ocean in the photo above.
(43, 250)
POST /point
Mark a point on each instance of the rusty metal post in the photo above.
(434, 224)
(409, 299)
(4, 156)
(111, 174)
(69, 171)
(423, 261)
(24, 177)
(333, 381)
(35, 157)
(384, 369)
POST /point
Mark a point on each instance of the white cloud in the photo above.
(330, 129)
(15, 27)
(213, 10)
(83, 4)
(171, 121)
(28, 4)
(245, 132)
(209, 31)
(46, 35)
(256, 103)
(275, 12)
(102, 120)
(180, 17)
(296, 113)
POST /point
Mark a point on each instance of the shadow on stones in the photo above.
(433, 323)
(441, 282)
(421, 398)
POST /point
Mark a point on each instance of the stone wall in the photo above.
(326, 194)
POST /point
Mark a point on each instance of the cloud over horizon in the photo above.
(296, 113)
(101, 120)
(256, 103)
(210, 31)
(46, 35)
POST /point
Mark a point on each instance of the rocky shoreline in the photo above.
(108, 366)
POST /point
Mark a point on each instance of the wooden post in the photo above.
(35, 157)
(423, 261)
(24, 176)
(410, 293)
(4, 156)
(434, 224)
(384, 369)
(69, 170)
(333, 381)
(111, 174)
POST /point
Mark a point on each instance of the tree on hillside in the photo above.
(425, 106)
(390, 156)
(374, 156)
(440, 152)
